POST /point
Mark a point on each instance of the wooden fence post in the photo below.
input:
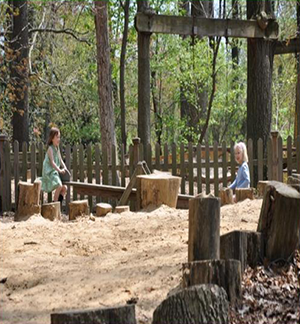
(3, 174)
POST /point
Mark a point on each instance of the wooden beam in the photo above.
(288, 46)
(204, 26)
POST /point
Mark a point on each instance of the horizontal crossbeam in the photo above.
(148, 23)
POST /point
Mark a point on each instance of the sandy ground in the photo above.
(57, 266)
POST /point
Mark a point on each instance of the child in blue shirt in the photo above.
(242, 179)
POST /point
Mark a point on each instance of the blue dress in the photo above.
(242, 179)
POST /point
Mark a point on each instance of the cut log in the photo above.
(29, 200)
(242, 194)
(78, 208)
(205, 304)
(261, 188)
(113, 315)
(226, 196)
(245, 246)
(204, 228)
(279, 221)
(102, 209)
(224, 273)
(122, 209)
(157, 189)
(51, 211)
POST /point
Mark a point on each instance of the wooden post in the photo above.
(204, 228)
(3, 175)
(275, 172)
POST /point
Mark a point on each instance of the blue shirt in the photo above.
(242, 179)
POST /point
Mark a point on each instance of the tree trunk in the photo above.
(19, 71)
(143, 80)
(245, 246)
(204, 228)
(205, 304)
(279, 221)
(106, 111)
(78, 208)
(122, 73)
(51, 211)
(112, 315)
(259, 84)
(224, 273)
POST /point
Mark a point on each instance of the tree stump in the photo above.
(29, 200)
(242, 194)
(205, 304)
(122, 209)
(224, 273)
(245, 246)
(78, 208)
(157, 189)
(51, 211)
(102, 209)
(113, 315)
(261, 187)
(204, 228)
(226, 196)
(279, 221)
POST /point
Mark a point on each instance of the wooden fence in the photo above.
(202, 167)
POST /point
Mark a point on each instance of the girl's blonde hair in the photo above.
(243, 148)
(53, 132)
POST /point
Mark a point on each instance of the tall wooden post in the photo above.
(143, 80)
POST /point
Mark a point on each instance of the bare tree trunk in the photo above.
(259, 90)
(143, 80)
(122, 72)
(107, 117)
(19, 71)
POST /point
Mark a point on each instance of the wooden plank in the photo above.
(182, 168)
(114, 165)
(8, 175)
(16, 170)
(260, 158)
(68, 165)
(216, 170)
(75, 169)
(289, 156)
(97, 168)
(224, 164)
(81, 166)
(207, 169)
(191, 169)
(90, 172)
(289, 46)
(33, 162)
(280, 159)
(122, 165)
(174, 160)
(190, 26)
(24, 161)
(250, 157)
(232, 162)
(298, 154)
(157, 156)
(269, 158)
(199, 169)
(166, 157)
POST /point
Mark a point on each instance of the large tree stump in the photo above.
(204, 228)
(102, 209)
(113, 315)
(245, 246)
(203, 304)
(29, 200)
(279, 221)
(224, 273)
(226, 196)
(242, 194)
(157, 189)
(261, 187)
(78, 208)
(51, 211)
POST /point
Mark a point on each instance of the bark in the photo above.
(19, 71)
(259, 90)
(122, 73)
(106, 111)
(205, 304)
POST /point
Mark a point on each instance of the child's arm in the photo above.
(50, 155)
